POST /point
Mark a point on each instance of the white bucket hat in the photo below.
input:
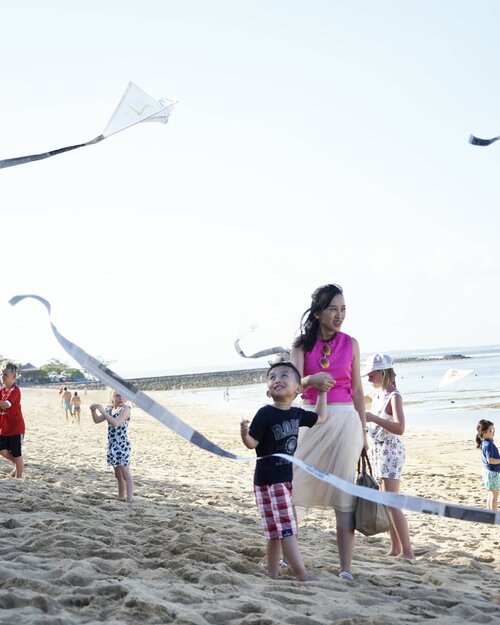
(377, 362)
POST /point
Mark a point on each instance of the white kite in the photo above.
(135, 107)
(453, 375)
(256, 335)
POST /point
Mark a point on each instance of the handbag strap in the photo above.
(364, 461)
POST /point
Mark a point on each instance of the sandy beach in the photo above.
(189, 549)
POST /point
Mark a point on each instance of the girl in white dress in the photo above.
(387, 451)
(117, 416)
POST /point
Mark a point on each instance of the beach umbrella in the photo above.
(135, 107)
(452, 376)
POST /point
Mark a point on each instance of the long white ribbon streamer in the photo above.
(129, 390)
(167, 418)
(265, 352)
(401, 501)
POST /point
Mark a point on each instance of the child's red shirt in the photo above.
(11, 420)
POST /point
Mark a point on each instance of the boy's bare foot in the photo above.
(13, 473)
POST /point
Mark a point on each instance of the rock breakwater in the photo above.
(181, 381)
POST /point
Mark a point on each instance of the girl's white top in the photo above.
(380, 401)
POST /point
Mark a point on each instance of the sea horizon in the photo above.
(429, 353)
(454, 408)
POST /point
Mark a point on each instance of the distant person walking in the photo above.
(76, 404)
(490, 457)
(66, 402)
(118, 417)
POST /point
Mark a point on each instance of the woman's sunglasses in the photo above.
(326, 350)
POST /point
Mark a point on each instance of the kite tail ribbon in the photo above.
(265, 352)
(20, 160)
(127, 389)
(477, 141)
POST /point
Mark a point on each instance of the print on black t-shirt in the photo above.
(277, 432)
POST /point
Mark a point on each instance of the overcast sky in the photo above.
(313, 142)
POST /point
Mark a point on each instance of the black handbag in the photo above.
(369, 517)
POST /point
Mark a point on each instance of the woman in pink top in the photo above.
(328, 360)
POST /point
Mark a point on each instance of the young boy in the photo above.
(11, 420)
(275, 429)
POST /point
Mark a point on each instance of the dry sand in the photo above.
(189, 549)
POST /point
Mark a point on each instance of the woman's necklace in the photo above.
(330, 339)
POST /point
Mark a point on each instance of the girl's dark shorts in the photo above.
(12, 444)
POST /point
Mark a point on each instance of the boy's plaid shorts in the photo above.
(274, 502)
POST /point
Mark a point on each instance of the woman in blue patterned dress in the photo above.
(118, 417)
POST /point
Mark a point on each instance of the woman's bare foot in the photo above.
(307, 578)
(401, 554)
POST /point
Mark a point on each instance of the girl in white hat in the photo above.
(387, 451)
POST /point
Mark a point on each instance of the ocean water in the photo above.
(454, 409)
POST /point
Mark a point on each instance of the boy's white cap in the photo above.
(377, 362)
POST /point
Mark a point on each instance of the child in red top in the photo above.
(11, 420)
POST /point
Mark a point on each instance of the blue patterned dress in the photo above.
(119, 447)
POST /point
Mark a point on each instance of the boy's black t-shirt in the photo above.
(277, 431)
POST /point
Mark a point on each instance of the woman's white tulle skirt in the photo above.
(334, 447)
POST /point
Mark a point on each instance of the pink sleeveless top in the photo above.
(340, 369)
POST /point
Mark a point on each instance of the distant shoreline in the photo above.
(428, 358)
(213, 379)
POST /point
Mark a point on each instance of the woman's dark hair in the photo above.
(482, 426)
(309, 324)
